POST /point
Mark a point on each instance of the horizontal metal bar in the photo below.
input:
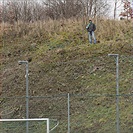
(35, 119)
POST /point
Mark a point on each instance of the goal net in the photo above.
(38, 125)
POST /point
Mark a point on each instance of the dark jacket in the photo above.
(91, 27)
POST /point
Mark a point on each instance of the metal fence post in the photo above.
(27, 93)
(27, 98)
(117, 91)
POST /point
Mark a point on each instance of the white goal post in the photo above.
(35, 119)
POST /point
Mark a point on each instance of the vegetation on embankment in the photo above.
(60, 61)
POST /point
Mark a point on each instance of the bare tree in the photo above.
(96, 7)
(117, 4)
(115, 8)
(62, 8)
(28, 11)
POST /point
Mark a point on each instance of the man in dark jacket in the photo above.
(91, 28)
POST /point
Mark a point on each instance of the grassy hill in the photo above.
(61, 61)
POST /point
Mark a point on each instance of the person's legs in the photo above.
(90, 37)
(93, 36)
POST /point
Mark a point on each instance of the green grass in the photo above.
(62, 62)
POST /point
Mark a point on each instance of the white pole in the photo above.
(48, 123)
(33, 119)
(27, 120)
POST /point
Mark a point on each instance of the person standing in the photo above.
(91, 28)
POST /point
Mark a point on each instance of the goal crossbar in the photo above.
(35, 119)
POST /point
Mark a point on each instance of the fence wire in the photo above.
(88, 113)
(91, 83)
(92, 87)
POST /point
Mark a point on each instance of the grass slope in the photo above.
(61, 62)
